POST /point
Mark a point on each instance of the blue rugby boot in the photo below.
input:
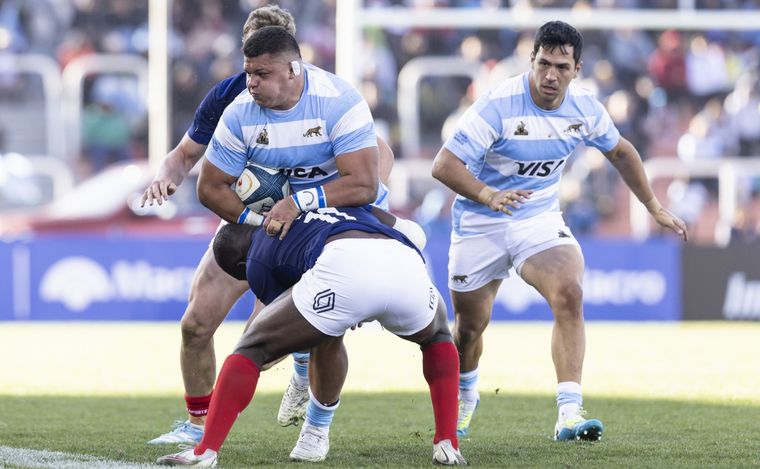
(578, 428)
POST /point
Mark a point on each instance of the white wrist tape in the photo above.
(310, 199)
(411, 230)
(653, 205)
(250, 218)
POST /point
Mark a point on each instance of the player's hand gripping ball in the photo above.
(260, 188)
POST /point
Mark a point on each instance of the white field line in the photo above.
(33, 458)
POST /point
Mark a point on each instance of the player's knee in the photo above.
(567, 298)
(468, 330)
(195, 329)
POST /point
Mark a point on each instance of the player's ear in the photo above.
(295, 68)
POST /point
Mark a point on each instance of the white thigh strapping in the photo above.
(359, 279)
(477, 259)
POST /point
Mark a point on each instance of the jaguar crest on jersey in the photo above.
(314, 132)
(521, 130)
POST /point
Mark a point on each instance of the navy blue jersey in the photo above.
(273, 266)
(210, 111)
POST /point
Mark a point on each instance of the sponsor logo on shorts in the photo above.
(324, 301)
(433, 298)
(459, 279)
(562, 234)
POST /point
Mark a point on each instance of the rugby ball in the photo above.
(260, 188)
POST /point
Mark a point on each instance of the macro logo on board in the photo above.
(78, 282)
(600, 287)
(742, 299)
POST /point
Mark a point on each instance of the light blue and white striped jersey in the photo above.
(508, 142)
(330, 119)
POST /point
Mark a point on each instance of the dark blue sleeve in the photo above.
(207, 115)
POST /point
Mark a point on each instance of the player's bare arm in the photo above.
(173, 170)
(453, 173)
(215, 192)
(356, 186)
(627, 162)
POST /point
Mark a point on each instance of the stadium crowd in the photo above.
(693, 95)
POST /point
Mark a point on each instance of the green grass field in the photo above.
(670, 395)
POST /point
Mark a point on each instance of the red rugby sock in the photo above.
(234, 390)
(440, 365)
(197, 406)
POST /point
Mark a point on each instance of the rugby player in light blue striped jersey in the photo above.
(504, 161)
(297, 117)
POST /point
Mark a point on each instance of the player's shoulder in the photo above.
(584, 97)
(580, 91)
(512, 86)
(323, 84)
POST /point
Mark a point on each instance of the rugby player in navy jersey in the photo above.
(505, 161)
(330, 293)
(213, 292)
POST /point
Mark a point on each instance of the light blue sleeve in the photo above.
(476, 131)
(227, 151)
(350, 124)
(604, 136)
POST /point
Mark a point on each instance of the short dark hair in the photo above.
(559, 34)
(231, 246)
(270, 40)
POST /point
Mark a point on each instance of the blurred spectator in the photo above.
(706, 69)
(687, 200)
(743, 108)
(746, 226)
(75, 44)
(667, 64)
(17, 188)
(629, 51)
(106, 136)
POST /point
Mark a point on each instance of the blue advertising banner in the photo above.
(624, 280)
(96, 278)
(119, 278)
(6, 284)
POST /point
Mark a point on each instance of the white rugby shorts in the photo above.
(365, 279)
(477, 259)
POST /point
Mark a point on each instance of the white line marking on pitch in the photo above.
(33, 458)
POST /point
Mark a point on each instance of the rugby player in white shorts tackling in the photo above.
(213, 292)
(348, 268)
(504, 161)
